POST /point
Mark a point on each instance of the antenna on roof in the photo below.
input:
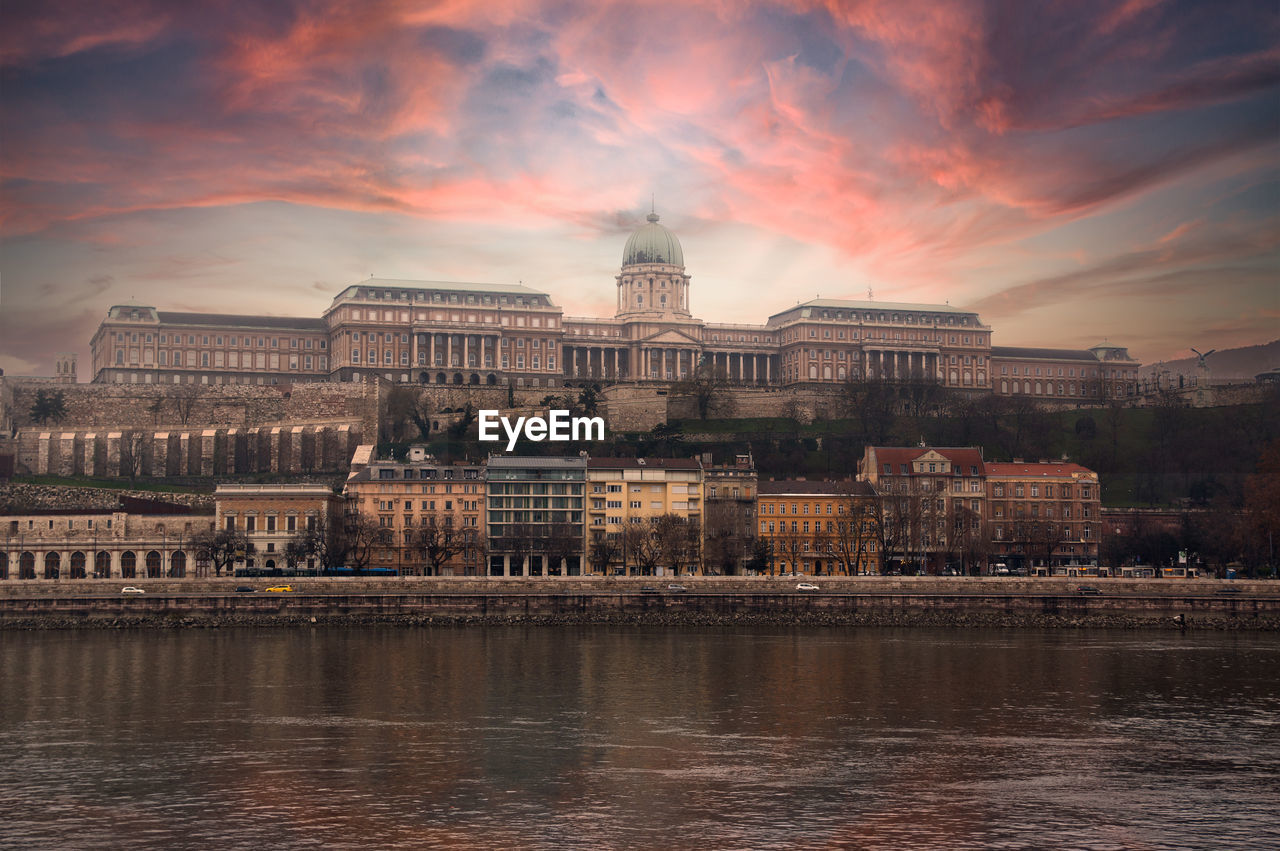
(653, 207)
(871, 294)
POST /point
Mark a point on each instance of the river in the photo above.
(589, 737)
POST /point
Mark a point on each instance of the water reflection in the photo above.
(598, 736)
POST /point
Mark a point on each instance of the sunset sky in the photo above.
(1072, 170)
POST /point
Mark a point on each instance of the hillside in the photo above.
(1243, 363)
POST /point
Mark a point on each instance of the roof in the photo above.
(843, 487)
(127, 504)
(287, 323)
(652, 243)
(1058, 470)
(549, 462)
(966, 456)
(852, 304)
(1042, 354)
(373, 473)
(643, 463)
(443, 286)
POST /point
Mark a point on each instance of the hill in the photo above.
(1242, 363)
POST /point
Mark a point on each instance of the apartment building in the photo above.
(535, 517)
(819, 527)
(1044, 517)
(429, 515)
(932, 506)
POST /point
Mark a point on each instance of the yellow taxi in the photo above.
(279, 589)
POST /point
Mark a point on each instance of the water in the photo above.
(591, 737)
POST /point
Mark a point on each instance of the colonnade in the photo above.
(174, 558)
(460, 350)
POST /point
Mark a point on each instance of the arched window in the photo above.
(153, 564)
(52, 565)
(128, 565)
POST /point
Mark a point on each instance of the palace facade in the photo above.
(444, 333)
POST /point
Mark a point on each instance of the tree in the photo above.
(761, 558)
(131, 454)
(679, 541)
(398, 408)
(560, 542)
(730, 533)
(707, 388)
(155, 409)
(438, 542)
(604, 551)
(360, 536)
(221, 548)
(872, 405)
(296, 550)
(1262, 504)
(184, 398)
(49, 405)
(641, 548)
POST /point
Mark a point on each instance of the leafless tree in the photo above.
(185, 397)
(641, 549)
(438, 542)
(221, 548)
(604, 551)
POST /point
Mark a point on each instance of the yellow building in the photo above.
(626, 497)
(820, 527)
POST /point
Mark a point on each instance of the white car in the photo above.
(129, 589)
(806, 586)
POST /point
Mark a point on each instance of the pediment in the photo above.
(671, 337)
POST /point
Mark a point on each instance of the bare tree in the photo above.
(184, 398)
(603, 552)
(438, 542)
(679, 541)
(221, 548)
(641, 549)
(707, 388)
(560, 542)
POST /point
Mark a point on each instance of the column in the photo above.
(768, 369)
(431, 350)
(448, 350)
(466, 351)
(413, 350)
(616, 374)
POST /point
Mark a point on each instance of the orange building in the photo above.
(425, 510)
(1045, 517)
(819, 527)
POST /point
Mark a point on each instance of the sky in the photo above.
(1074, 171)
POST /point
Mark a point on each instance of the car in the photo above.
(1229, 590)
(806, 586)
(648, 589)
(279, 589)
(677, 588)
(245, 589)
(1089, 591)
(129, 589)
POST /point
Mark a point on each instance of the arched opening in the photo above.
(102, 565)
(424, 378)
(826, 373)
(27, 566)
(813, 371)
(128, 565)
(457, 378)
(473, 379)
(4, 566)
(153, 565)
(77, 565)
(440, 379)
(52, 565)
(178, 564)
(271, 564)
(491, 379)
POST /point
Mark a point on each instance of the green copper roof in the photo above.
(653, 243)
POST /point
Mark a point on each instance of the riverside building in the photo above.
(451, 333)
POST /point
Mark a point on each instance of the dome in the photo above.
(653, 243)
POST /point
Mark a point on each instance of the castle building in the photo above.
(448, 333)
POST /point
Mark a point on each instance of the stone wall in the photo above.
(293, 448)
(15, 498)
(129, 406)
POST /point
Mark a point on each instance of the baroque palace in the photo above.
(431, 332)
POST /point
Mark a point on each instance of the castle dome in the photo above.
(653, 243)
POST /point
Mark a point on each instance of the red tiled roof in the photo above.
(820, 487)
(963, 456)
(1063, 469)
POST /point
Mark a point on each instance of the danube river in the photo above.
(588, 737)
